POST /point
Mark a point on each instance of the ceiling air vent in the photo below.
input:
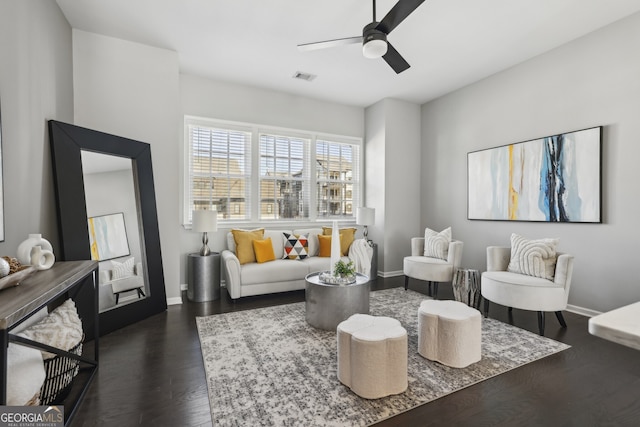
(304, 76)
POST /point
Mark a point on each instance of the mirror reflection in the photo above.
(113, 226)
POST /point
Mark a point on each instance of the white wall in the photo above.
(35, 86)
(592, 81)
(375, 171)
(131, 90)
(227, 101)
(393, 179)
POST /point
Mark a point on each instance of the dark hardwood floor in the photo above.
(151, 374)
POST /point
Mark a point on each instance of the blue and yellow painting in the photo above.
(552, 179)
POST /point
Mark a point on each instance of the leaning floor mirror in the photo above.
(107, 212)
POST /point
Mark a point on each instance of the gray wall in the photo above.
(131, 90)
(392, 184)
(35, 86)
(592, 81)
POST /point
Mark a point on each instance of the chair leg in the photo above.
(541, 322)
(429, 288)
(510, 309)
(561, 319)
(435, 290)
(406, 282)
(486, 307)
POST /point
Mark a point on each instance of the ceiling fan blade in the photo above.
(397, 14)
(329, 43)
(395, 60)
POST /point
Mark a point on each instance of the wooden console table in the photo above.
(17, 304)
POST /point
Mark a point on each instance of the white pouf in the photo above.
(372, 355)
(449, 332)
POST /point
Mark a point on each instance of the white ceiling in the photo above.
(449, 43)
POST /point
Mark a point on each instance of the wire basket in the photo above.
(60, 372)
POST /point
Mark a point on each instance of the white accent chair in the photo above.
(526, 292)
(431, 270)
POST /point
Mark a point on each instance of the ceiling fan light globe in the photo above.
(374, 49)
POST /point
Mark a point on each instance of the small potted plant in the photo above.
(345, 271)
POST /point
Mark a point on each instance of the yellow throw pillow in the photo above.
(347, 236)
(325, 245)
(244, 245)
(264, 250)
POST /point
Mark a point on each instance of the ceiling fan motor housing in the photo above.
(374, 41)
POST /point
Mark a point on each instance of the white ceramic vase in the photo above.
(42, 259)
(24, 249)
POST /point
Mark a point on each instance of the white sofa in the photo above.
(279, 275)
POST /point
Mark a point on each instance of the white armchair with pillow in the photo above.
(529, 275)
(434, 258)
(124, 276)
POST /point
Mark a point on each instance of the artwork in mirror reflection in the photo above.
(108, 237)
(115, 238)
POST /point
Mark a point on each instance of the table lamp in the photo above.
(365, 217)
(204, 221)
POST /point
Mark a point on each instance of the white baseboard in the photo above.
(582, 311)
(174, 301)
(385, 274)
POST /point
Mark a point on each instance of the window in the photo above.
(220, 171)
(336, 174)
(301, 176)
(284, 177)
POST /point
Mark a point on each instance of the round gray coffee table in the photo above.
(327, 305)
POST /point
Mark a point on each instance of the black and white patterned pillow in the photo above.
(436, 245)
(535, 258)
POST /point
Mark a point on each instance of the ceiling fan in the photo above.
(374, 36)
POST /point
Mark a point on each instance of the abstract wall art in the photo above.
(108, 237)
(552, 179)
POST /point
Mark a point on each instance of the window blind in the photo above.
(284, 177)
(337, 178)
(220, 171)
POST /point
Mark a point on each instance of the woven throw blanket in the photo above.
(62, 329)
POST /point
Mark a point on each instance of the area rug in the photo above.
(268, 367)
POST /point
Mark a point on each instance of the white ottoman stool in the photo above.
(372, 356)
(449, 332)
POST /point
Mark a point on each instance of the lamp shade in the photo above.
(365, 216)
(204, 221)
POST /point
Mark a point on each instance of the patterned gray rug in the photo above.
(268, 367)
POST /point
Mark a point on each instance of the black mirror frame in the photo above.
(67, 141)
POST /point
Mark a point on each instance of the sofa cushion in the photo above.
(276, 241)
(295, 246)
(244, 246)
(280, 270)
(347, 236)
(317, 263)
(263, 250)
(325, 245)
(314, 246)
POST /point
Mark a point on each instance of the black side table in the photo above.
(203, 277)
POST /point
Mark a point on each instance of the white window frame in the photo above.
(256, 130)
